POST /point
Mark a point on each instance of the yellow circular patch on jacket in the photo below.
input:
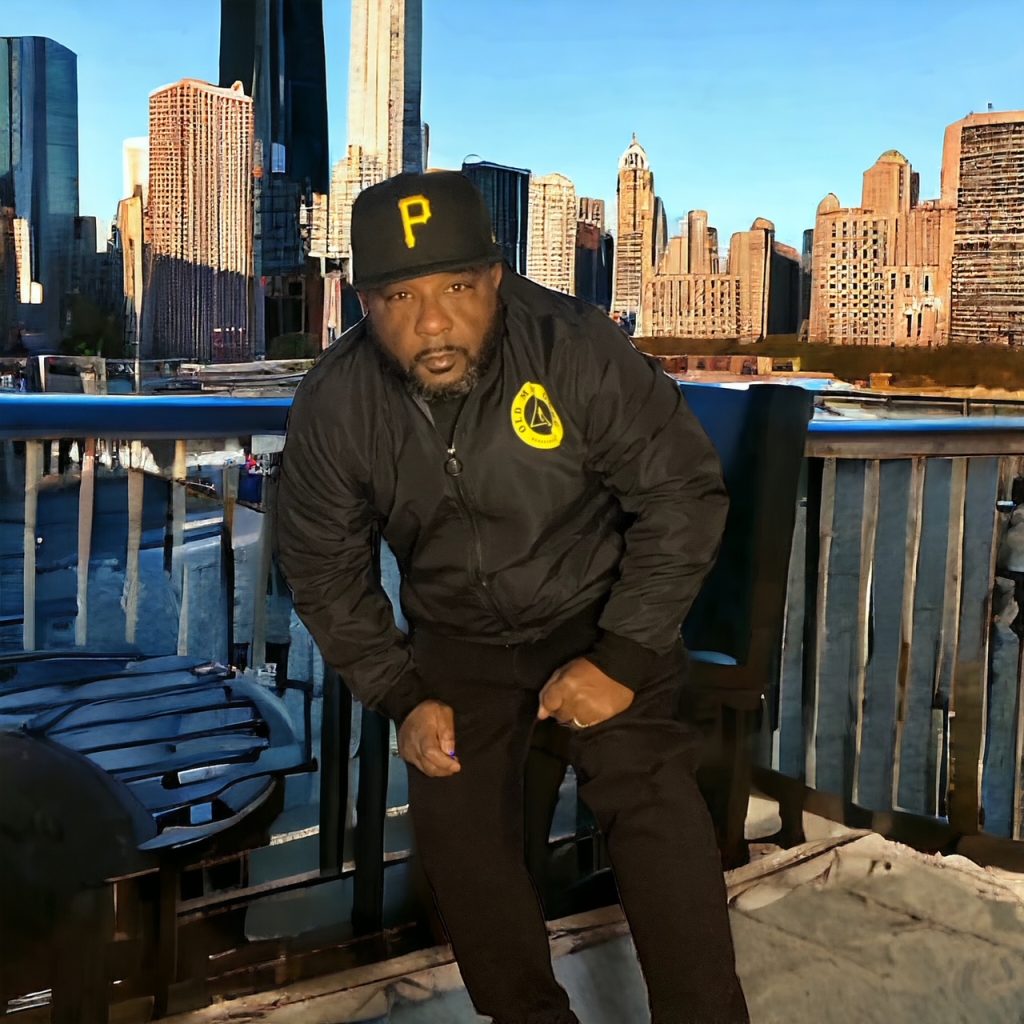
(534, 418)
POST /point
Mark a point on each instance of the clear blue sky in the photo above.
(746, 107)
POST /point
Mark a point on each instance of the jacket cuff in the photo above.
(401, 698)
(626, 661)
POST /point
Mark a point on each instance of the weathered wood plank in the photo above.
(259, 596)
(938, 766)
(179, 476)
(33, 474)
(826, 513)
(136, 483)
(788, 740)
(895, 445)
(877, 741)
(838, 657)
(916, 783)
(86, 495)
(915, 506)
(970, 677)
(227, 555)
(868, 533)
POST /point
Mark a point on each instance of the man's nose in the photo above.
(433, 320)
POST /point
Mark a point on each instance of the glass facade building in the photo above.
(506, 190)
(275, 48)
(39, 176)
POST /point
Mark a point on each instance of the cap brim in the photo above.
(495, 255)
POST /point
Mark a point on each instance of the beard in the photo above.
(476, 365)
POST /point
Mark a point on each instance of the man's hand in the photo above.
(427, 739)
(581, 691)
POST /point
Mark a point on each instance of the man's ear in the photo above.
(497, 269)
(363, 303)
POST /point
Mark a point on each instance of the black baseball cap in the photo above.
(416, 224)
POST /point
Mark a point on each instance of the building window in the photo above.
(906, 280)
(910, 323)
(927, 283)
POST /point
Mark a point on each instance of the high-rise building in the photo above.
(386, 134)
(689, 296)
(983, 176)
(595, 254)
(784, 290)
(750, 262)
(806, 267)
(551, 252)
(591, 211)
(880, 273)
(199, 223)
(135, 160)
(130, 242)
(275, 48)
(8, 282)
(356, 171)
(385, 76)
(39, 176)
(635, 241)
(506, 191)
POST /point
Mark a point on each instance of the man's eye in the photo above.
(460, 286)
(395, 296)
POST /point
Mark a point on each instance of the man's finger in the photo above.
(446, 738)
(551, 697)
(433, 757)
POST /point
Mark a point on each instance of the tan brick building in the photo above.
(591, 211)
(635, 238)
(690, 296)
(879, 272)
(983, 177)
(199, 223)
(551, 240)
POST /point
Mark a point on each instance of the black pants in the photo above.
(635, 773)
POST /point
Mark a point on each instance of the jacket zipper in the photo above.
(453, 469)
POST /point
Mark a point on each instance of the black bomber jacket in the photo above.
(576, 474)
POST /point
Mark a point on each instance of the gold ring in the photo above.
(579, 724)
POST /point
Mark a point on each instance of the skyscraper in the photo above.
(506, 191)
(39, 175)
(690, 296)
(635, 242)
(199, 223)
(983, 175)
(135, 161)
(385, 76)
(595, 251)
(386, 135)
(880, 271)
(275, 48)
(551, 254)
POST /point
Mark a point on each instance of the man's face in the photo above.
(438, 330)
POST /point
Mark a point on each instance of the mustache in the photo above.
(440, 350)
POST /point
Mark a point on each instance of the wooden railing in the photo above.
(901, 679)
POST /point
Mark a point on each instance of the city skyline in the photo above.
(775, 117)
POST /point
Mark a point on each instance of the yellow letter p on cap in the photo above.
(410, 219)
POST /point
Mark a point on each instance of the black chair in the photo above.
(734, 630)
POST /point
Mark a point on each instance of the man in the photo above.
(553, 507)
